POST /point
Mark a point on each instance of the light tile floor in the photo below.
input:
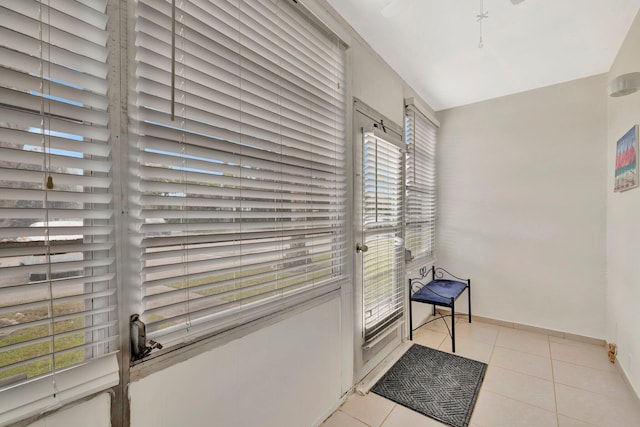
(533, 380)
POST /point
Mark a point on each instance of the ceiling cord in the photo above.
(480, 17)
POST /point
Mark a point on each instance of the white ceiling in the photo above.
(433, 44)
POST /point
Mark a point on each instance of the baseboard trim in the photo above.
(332, 410)
(524, 327)
(625, 378)
(551, 332)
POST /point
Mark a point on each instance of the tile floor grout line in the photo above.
(389, 414)
(521, 373)
(521, 352)
(528, 375)
(553, 380)
(589, 391)
(353, 417)
(608, 371)
(585, 366)
(493, 347)
(576, 419)
(522, 402)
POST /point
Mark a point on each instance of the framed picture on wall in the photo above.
(627, 161)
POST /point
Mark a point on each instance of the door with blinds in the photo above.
(380, 240)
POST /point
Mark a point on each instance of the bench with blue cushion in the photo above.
(438, 287)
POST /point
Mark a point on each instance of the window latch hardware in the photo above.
(139, 347)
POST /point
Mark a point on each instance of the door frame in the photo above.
(368, 355)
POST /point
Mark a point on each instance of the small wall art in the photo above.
(626, 176)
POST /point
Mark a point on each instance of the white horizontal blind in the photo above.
(57, 285)
(421, 184)
(242, 196)
(382, 229)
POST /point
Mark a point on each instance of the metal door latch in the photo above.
(361, 248)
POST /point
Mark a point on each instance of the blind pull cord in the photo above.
(173, 60)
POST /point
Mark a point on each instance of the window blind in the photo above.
(57, 284)
(242, 196)
(421, 184)
(382, 188)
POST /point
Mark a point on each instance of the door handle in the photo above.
(361, 248)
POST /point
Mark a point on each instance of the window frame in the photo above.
(421, 187)
(77, 105)
(180, 334)
(73, 384)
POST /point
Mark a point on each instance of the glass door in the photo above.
(379, 294)
(382, 199)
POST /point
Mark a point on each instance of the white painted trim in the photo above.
(626, 380)
(423, 109)
(51, 392)
(322, 15)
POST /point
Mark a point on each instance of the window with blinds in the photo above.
(382, 207)
(241, 194)
(421, 185)
(57, 284)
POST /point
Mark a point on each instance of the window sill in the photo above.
(40, 395)
(204, 343)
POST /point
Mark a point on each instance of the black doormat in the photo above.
(439, 385)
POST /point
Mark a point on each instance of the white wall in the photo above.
(623, 223)
(287, 374)
(94, 412)
(522, 205)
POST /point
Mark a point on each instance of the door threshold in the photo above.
(376, 373)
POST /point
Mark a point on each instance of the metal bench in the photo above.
(440, 288)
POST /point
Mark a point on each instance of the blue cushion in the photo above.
(439, 292)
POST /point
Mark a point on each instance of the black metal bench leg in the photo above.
(469, 291)
(433, 277)
(453, 325)
(410, 315)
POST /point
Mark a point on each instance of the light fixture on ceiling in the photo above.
(393, 8)
(480, 17)
(625, 84)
